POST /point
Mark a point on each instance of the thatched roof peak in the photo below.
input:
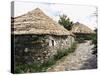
(77, 23)
(37, 10)
(81, 28)
(36, 22)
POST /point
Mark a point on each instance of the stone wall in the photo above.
(38, 49)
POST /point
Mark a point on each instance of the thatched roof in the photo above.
(36, 22)
(82, 29)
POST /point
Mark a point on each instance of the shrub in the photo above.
(80, 40)
(65, 52)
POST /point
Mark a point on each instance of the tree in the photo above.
(65, 21)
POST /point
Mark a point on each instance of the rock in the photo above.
(26, 50)
(38, 58)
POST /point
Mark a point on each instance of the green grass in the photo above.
(23, 68)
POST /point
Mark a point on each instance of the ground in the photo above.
(82, 58)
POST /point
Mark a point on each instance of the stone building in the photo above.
(36, 37)
(81, 31)
(80, 28)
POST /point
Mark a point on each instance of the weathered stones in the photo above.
(40, 50)
(26, 50)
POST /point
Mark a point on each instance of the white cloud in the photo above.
(74, 12)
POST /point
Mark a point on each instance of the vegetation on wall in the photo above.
(42, 67)
(65, 52)
(80, 38)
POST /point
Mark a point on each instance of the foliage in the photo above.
(94, 41)
(23, 68)
(65, 21)
(65, 52)
(81, 38)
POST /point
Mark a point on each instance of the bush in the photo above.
(94, 41)
(65, 52)
(80, 40)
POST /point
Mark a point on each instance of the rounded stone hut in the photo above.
(79, 28)
(81, 32)
(36, 37)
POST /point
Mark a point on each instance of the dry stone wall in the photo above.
(38, 48)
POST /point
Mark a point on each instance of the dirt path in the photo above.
(80, 59)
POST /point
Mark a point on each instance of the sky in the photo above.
(77, 13)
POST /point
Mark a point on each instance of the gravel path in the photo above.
(80, 59)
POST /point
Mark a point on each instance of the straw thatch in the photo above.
(82, 29)
(36, 22)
